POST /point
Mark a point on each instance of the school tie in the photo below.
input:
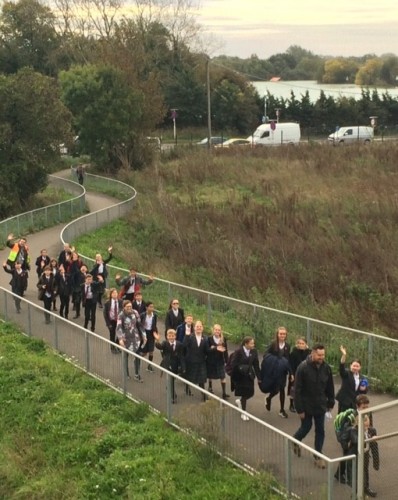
(115, 310)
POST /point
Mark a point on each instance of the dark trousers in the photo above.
(90, 308)
(136, 363)
(17, 301)
(47, 306)
(305, 427)
(112, 335)
(64, 306)
(77, 300)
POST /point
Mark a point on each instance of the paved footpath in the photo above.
(50, 239)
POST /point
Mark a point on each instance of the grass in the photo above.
(65, 435)
(310, 230)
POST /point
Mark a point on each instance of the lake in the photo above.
(283, 89)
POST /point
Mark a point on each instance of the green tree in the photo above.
(28, 37)
(106, 111)
(389, 70)
(33, 122)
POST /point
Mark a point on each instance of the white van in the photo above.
(275, 134)
(351, 134)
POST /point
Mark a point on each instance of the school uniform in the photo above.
(172, 359)
(64, 289)
(112, 308)
(349, 389)
(196, 352)
(89, 302)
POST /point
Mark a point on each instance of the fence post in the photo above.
(87, 346)
(56, 335)
(288, 455)
(169, 395)
(370, 355)
(309, 331)
(209, 315)
(29, 321)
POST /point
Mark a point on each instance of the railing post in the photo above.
(330, 481)
(124, 371)
(309, 333)
(370, 356)
(87, 346)
(29, 332)
(56, 335)
(169, 396)
(288, 455)
(209, 312)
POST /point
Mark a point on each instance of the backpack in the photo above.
(228, 365)
(342, 423)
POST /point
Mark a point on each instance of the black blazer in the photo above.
(95, 289)
(193, 352)
(154, 325)
(172, 321)
(139, 308)
(50, 284)
(172, 360)
(106, 311)
(347, 394)
(63, 286)
(39, 268)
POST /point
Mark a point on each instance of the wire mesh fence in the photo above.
(213, 424)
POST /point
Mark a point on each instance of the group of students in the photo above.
(132, 323)
(185, 350)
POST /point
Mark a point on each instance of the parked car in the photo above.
(352, 134)
(234, 142)
(213, 141)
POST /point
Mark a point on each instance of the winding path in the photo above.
(50, 239)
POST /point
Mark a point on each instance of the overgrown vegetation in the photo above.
(65, 435)
(311, 229)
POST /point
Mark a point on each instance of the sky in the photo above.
(333, 27)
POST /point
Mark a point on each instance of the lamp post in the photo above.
(174, 118)
(208, 104)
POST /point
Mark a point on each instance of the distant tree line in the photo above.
(113, 79)
(300, 64)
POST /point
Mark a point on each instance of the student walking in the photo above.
(18, 282)
(173, 358)
(245, 369)
(112, 307)
(216, 360)
(353, 383)
(149, 320)
(281, 349)
(298, 354)
(89, 299)
(46, 287)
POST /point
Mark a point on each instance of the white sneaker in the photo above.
(244, 417)
(238, 403)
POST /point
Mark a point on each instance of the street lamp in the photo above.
(174, 118)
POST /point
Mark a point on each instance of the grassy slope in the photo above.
(64, 435)
(310, 229)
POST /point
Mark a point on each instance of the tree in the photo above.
(389, 70)
(106, 111)
(339, 71)
(28, 37)
(369, 73)
(33, 122)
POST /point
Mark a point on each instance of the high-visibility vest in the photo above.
(12, 257)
